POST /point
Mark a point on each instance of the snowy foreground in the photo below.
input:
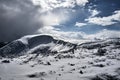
(59, 60)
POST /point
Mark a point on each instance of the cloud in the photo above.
(17, 18)
(94, 12)
(104, 34)
(80, 24)
(52, 18)
(67, 5)
(81, 2)
(23, 17)
(73, 36)
(105, 21)
(47, 5)
(56, 32)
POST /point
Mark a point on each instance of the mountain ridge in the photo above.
(27, 43)
(47, 45)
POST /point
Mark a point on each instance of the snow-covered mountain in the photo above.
(42, 57)
(47, 45)
(3, 44)
(41, 44)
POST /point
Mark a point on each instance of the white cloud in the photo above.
(47, 5)
(81, 2)
(105, 21)
(55, 12)
(78, 36)
(57, 17)
(62, 14)
(50, 19)
(80, 24)
(49, 30)
(94, 12)
(104, 34)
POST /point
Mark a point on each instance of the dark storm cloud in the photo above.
(17, 18)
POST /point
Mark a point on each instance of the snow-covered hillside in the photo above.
(45, 58)
(39, 44)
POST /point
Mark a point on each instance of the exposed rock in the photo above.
(5, 61)
(81, 72)
(37, 75)
(71, 64)
(105, 77)
(99, 65)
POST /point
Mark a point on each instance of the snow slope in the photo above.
(52, 59)
(35, 44)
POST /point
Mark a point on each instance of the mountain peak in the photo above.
(41, 39)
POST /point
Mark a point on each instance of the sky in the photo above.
(65, 19)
